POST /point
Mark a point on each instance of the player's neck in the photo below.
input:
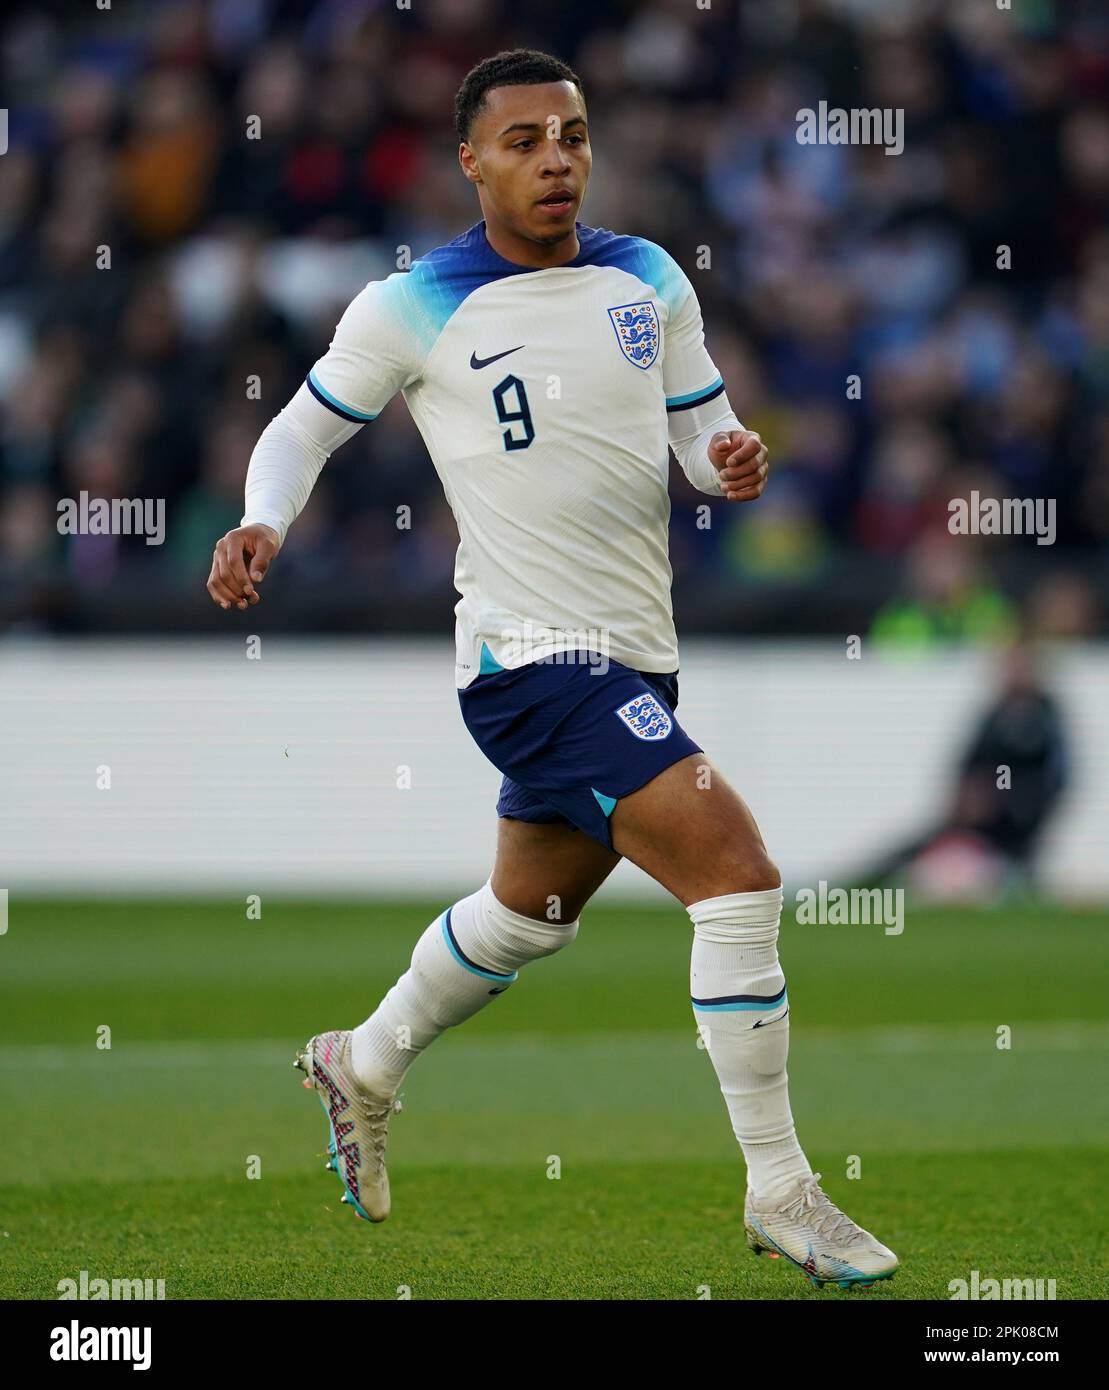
(520, 251)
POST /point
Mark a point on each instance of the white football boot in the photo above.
(807, 1228)
(358, 1122)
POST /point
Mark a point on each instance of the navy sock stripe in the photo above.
(768, 1000)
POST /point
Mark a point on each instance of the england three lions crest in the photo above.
(636, 327)
(645, 717)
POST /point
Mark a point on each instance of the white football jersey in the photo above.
(543, 397)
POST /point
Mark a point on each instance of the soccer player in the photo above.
(547, 363)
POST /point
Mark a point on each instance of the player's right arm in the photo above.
(373, 354)
(718, 455)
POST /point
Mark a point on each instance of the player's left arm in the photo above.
(717, 454)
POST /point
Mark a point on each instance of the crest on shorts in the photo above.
(636, 327)
(645, 717)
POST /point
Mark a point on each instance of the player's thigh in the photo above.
(693, 833)
(548, 872)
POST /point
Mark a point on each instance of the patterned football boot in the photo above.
(358, 1123)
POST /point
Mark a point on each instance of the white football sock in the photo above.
(469, 955)
(737, 985)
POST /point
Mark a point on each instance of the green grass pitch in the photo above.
(131, 1162)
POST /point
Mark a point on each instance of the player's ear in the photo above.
(468, 160)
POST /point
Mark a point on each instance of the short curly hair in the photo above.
(515, 67)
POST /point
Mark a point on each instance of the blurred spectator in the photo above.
(949, 598)
(1008, 782)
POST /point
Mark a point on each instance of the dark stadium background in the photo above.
(233, 257)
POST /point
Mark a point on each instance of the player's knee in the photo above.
(526, 937)
(755, 872)
(759, 874)
(541, 939)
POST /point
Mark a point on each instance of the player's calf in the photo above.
(468, 956)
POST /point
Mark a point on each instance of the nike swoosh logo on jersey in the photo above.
(478, 362)
(763, 1021)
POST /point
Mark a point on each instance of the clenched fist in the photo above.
(229, 583)
(740, 459)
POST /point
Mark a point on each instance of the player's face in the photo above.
(529, 156)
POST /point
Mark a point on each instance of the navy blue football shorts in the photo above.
(573, 738)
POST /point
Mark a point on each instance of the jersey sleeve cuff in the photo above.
(270, 519)
(692, 399)
(333, 403)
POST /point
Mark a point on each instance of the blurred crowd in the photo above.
(166, 281)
